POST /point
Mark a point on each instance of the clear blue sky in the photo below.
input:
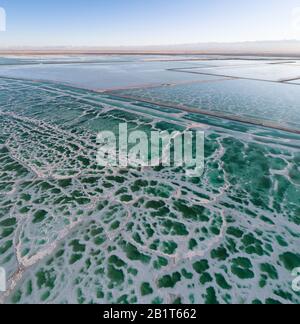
(145, 22)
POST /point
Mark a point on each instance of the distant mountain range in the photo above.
(264, 47)
(276, 48)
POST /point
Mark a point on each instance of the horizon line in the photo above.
(288, 47)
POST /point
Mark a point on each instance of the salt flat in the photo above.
(74, 232)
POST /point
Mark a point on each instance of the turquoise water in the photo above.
(264, 101)
(73, 232)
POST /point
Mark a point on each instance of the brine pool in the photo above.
(73, 232)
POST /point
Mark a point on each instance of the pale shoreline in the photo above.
(139, 52)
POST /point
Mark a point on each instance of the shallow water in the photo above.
(106, 75)
(258, 71)
(263, 101)
(72, 232)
